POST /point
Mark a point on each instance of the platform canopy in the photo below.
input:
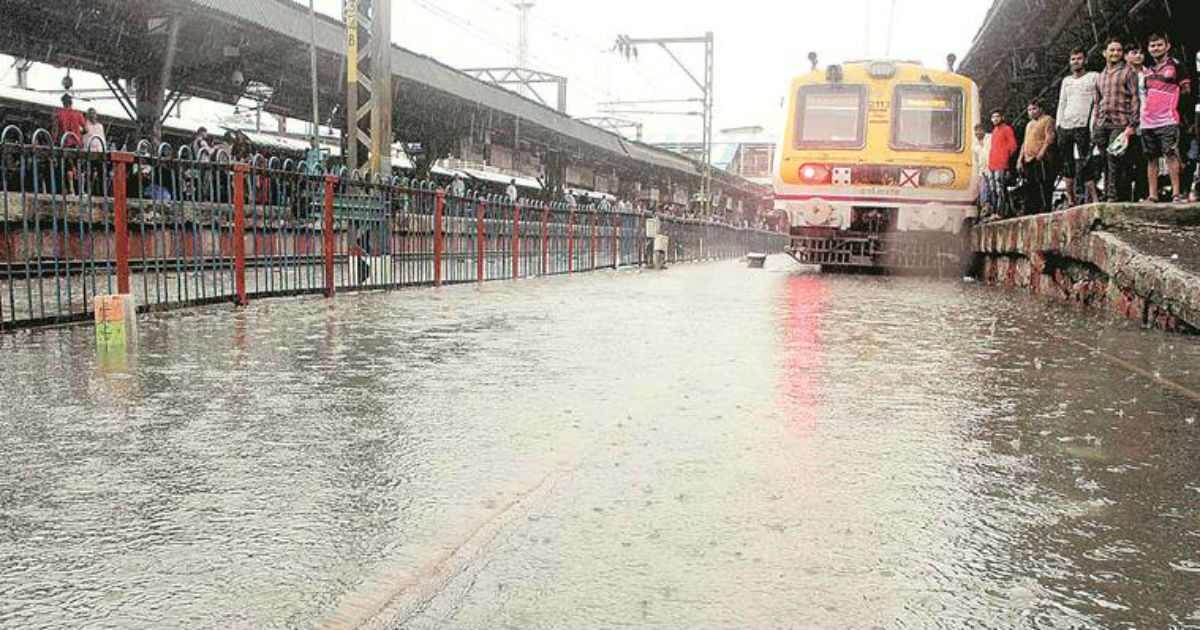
(1021, 51)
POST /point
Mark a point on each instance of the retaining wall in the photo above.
(1139, 262)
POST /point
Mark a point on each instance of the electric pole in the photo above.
(369, 95)
(523, 7)
(523, 33)
(627, 47)
(312, 62)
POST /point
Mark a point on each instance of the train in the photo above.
(875, 167)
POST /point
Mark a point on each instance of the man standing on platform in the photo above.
(69, 125)
(1076, 101)
(982, 153)
(1036, 161)
(1165, 83)
(1117, 113)
(1135, 58)
(1004, 145)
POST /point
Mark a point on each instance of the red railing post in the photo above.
(571, 242)
(121, 162)
(616, 231)
(239, 232)
(439, 201)
(640, 238)
(330, 237)
(480, 240)
(545, 241)
(516, 241)
(595, 239)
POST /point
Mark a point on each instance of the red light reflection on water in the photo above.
(804, 357)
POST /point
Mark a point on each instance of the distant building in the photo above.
(747, 152)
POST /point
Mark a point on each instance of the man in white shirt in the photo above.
(458, 188)
(982, 153)
(93, 136)
(1076, 103)
(511, 191)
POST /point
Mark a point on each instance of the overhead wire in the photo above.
(597, 92)
(501, 43)
(582, 42)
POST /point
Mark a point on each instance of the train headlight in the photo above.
(881, 70)
(940, 177)
(815, 174)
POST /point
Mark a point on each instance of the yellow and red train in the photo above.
(876, 165)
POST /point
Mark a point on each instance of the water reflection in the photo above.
(803, 310)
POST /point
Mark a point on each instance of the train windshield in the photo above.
(830, 116)
(928, 118)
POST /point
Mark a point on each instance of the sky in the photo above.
(759, 46)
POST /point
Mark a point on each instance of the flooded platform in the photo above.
(707, 446)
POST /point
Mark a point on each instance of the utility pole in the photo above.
(369, 84)
(523, 33)
(312, 62)
(523, 7)
(627, 47)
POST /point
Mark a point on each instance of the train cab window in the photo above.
(928, 118)
(830, 116)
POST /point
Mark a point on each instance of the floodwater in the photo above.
(709, 446)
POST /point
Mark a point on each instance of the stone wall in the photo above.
(1085, 256)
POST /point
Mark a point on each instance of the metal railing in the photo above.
(175, 229)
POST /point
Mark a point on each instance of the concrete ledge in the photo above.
(1089, 255)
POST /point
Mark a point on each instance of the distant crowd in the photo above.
(74, 129)
(1113, 132)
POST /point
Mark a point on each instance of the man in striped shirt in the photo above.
(1117, 113)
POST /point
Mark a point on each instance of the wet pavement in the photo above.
(707, 446)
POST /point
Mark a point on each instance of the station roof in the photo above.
(1021, 50)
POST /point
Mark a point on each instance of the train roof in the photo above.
(905, 70)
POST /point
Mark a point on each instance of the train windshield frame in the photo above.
(928, 118)
(823, 116)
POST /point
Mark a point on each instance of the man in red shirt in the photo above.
(1004, 145)
(69, 125)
